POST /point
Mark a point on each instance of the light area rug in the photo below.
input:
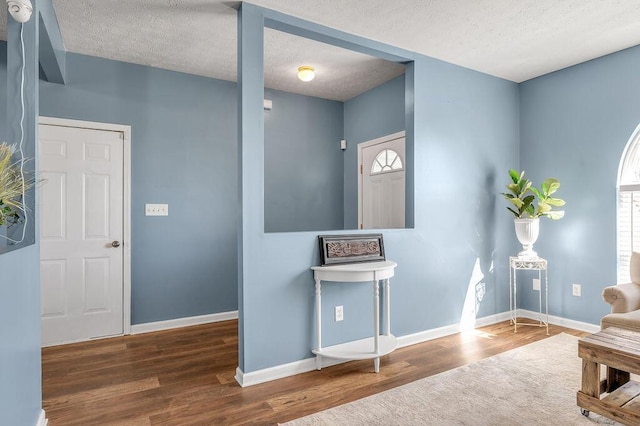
(535, 384)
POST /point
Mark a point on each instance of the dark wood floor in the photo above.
(186, 377)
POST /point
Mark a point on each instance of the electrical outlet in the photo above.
(156, 209)
(339, 313)
(577, 290)
(536, 284)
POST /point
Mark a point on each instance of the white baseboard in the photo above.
(435, 333)
(183, 322)
(563, 322)
(42, 419)
(423, 336)
(282, 371)
(274, 373)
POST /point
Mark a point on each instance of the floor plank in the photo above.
(185, 377)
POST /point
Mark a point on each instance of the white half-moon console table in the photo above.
(370, 348)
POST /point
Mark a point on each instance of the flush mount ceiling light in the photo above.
(306, 73)
(20, 9)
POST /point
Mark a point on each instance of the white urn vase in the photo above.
(527, 232)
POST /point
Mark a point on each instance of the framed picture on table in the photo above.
(343, 249)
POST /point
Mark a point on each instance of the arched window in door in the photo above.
(388, 160)
(628, 229)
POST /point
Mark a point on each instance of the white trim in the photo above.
(563, 322)
(630, 143)
(42, 419)
(361, 146)
(183, 322)
(492, 319)
(127, 239)
(282, 371)
(95, 125)
(423, 336)
(126, 198)
(436, 333)
(274, 373)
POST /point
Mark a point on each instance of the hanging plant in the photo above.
(13, 185)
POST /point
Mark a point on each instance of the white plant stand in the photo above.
(370, 348)
(528, 264)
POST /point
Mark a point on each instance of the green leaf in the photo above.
(550, 185)
(527, 205)
(543, 207)
(530, 210)
(535, 191)
(515, 177)
(558, 202)
(513, 187)
(555, 215)
(523, 188)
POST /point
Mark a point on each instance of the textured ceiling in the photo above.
(513, 39)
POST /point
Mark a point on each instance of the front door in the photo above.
(383, 184)
(81, 231)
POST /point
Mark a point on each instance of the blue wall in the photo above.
(20, 391)
(303, 163)
(575, 124)
(466, 135)
(20, 371)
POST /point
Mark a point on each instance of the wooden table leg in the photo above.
(590, 378)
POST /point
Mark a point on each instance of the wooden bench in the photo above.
(619, 350)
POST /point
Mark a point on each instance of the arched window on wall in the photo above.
(628, 205)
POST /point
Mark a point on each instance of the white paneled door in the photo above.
(81, 232)
(383, 184)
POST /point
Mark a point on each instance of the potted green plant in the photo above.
(12, 186)
(528, 204)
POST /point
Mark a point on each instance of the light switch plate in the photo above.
(576, 290)
(339, 313)
(536, 284)
(156, 209)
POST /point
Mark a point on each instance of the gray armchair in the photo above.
(624, 300)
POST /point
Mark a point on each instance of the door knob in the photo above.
(115, 244)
